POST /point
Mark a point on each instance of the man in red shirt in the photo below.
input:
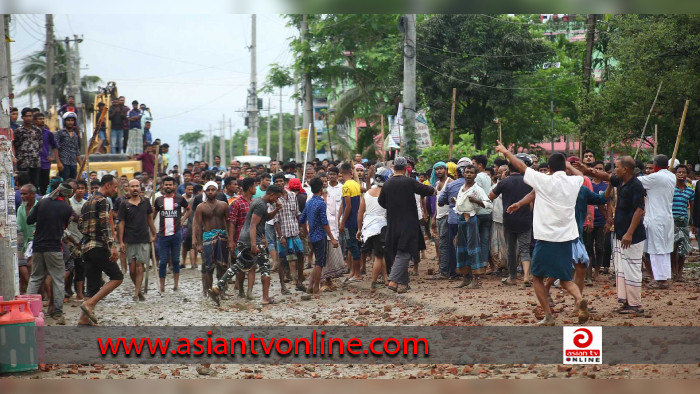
(238, 210)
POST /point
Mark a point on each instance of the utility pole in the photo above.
(77, 91)
(587, 71)
(50, 62)
(211, 147)
(308, 114)
(6, 18)
(252, 93)
(295, 134)
(222, 141)
(409, 87)
(9, 272)
(267, 147)
(69, 68)
(230, 135)
(279, 149)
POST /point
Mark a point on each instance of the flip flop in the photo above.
(392, 288)
(272, 302)
(88, 313)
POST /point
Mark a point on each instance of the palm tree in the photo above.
(33, 74)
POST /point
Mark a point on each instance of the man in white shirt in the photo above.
(554, 228)
(658, 219)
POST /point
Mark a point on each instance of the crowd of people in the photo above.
(559, 223)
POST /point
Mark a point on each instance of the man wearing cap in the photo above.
(447, 199)
(439, 180)
(658, 219)
(404, 239)
(287, 229)
(51, 216)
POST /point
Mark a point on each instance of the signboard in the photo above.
(423, 139)
(252, 145)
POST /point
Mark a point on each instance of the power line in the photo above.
(26, 29)
(161, 57)
(194, 108)
(476, 84)
(507, 21)
(481, 55)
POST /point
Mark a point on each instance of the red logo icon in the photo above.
(584, 338)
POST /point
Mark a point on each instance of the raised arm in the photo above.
(517, 163)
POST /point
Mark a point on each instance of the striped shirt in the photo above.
(288, 216)
(237, 212)
(170, 210)
(95, 223)
(681, 200)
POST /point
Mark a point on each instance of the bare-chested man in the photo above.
(210, 233)
(252, 245)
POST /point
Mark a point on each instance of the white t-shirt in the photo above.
(442, 211)
(554, 217)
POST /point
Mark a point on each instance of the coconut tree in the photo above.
(33, 75)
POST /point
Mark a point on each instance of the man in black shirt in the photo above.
(134, 222)
(51, 216)
(629, 233)
(404, 238)
(517, 225)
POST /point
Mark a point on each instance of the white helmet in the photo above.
(70, 114)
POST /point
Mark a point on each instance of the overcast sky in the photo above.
(189, 69)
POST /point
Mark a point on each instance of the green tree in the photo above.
(191, 142)
(483, 58)
(648, 50)
(33, 74)
(355, 61)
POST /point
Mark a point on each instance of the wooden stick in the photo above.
(452, 121)
(641, 138)
(382, 137)
(656, 139)
(680, 132)
(500, 134)
(92, 141)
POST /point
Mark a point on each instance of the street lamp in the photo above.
(547, 66)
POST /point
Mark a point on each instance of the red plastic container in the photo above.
(17, 311)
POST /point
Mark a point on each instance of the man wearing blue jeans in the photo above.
(173, 209)
(118, 119)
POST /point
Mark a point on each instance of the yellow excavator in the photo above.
(98, 157)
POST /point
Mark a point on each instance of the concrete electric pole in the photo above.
(409, 87)
(295, 143)
(50, 62)
(267, 145)
(280, 152)
(222, 141)
(308, 114)
(9, 272)
(252, 93)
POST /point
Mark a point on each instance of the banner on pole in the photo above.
(252, 145)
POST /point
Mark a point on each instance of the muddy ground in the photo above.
(429, 302)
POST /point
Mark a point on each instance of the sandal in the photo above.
(508, 282)
(271, 302)
(392, 288)
(633, 310)
(527, 283)
(286, 292)
(88, 313)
